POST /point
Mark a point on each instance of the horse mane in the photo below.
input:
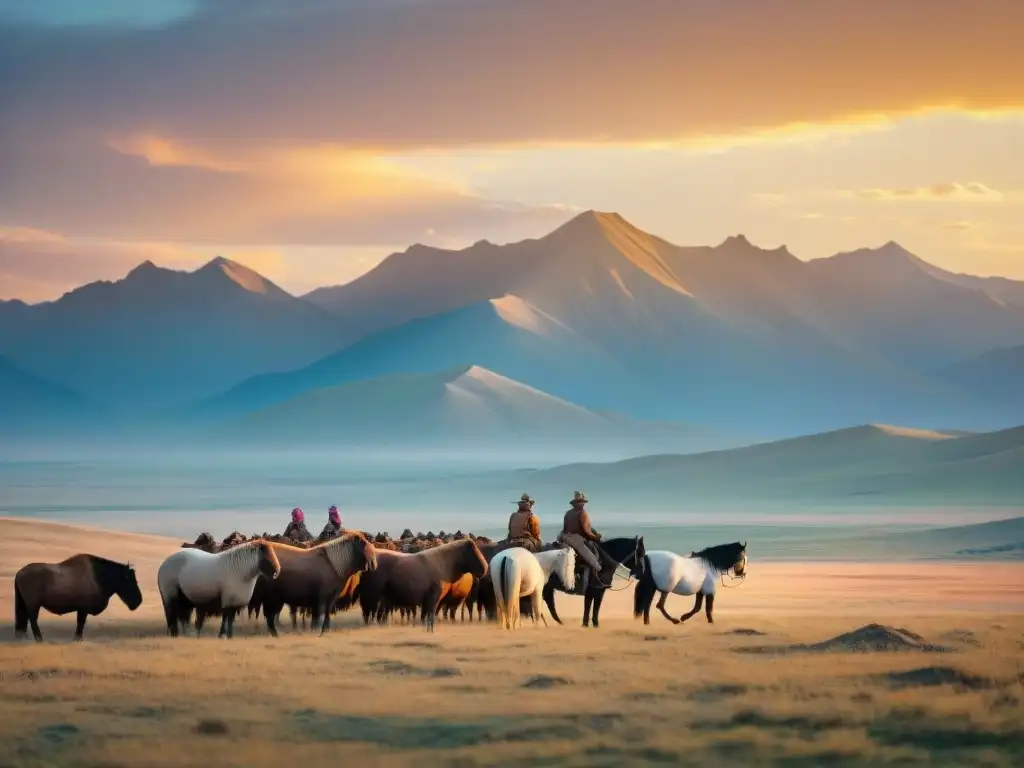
(106, 570)
(341, 551)
(721, 557)
(248, 553)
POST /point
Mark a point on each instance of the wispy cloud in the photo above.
(943, 191)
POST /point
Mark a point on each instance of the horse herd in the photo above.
(505, 582)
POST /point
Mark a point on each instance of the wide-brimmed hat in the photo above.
(578, 498)
(525, 499)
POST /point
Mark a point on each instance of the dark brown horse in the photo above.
(82, 584)
(418, 580)
(315, 578)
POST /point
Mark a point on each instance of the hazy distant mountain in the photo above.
(889, 300)
(866, 465)
(507, 335)
(465, 408)
(597, 313)
(31, 405)
(160, 336)
(997, 376)
(733, 334)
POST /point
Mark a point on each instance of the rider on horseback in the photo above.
(296, 529)
(577, 533)
(524, 526)
(333, 528)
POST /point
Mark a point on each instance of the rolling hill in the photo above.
(466, 408)
(868, 465)
(160, 337)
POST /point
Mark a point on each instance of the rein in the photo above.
(738, 579)
(629, 581)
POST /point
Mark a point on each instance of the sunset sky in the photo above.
(310, 138)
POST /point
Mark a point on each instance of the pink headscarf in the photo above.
(334, 515)
(297, 516)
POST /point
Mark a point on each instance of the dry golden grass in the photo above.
(472, 694)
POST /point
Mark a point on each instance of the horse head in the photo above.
(740, 567)
(369, 555)
(268, 564)
(476, 562)
(126, 587)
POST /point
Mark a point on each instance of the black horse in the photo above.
(627, 552)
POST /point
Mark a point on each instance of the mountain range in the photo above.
(597, 315)
(868, 465)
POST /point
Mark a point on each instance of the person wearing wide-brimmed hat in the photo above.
(524, 525)
(576, 532)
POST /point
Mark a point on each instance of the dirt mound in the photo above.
(876, 637)
(925, 677)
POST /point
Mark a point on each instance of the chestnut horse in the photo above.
(418, 580)
(82, 584)
(316, 578)
(454, 597)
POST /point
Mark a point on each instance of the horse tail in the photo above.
(511, 577)
(20, 609)
(645, 590)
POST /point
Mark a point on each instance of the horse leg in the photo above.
(428, 605)
(538, 608)
(696, 608)
(33, 621)
(230, 616)
(223, 625)
(80, 625)
(549, 598)
(201, 619)
(598, 599)
(269, 617)
(588, 602)
(661, 607)
(171, 615)
(709, 606)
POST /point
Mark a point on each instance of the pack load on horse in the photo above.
(524, 525)
(699, 574)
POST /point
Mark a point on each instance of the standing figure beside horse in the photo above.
(82, 584)
(699, 574)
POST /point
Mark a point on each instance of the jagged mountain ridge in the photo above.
(159, 337)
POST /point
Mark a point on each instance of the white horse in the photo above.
(699, 574)
(517, 572)
(213, 583)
